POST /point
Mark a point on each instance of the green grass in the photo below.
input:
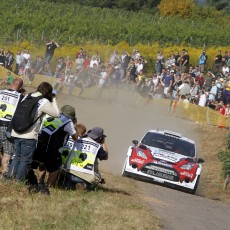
(116, 205)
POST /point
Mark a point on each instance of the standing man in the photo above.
(26, 141)
(218, 62)
(9, 99)
(202, 61)
(184, 62)
(168, 82)
(54, 134)
(50, 47)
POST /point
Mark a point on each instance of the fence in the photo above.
(202, 115)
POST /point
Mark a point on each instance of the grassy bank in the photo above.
(113, 206)
(211, 183)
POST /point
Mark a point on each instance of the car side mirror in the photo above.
(200, 161)
(135, 142)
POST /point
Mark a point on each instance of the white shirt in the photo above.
(202, 100)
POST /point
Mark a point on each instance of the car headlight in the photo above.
(188, 166)
(141, 154)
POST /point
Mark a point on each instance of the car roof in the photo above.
(172, 134)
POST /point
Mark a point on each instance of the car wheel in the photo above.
(124, 173)
(193, 191)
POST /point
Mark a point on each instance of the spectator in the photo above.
(50, 47)
(9, 60)
(2, 57)
(202, 98)
(54, 134)
(177, 59)
(202, 61)
(168, 82)
(96, 149)
(213, 92)
(218, 62)
(8, 80)
(184, 61)
(10, 98)
(18, 60)
(25, 143)
(80, 62)
(159, 62)
(184, 88)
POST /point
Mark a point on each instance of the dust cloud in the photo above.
(124, 120)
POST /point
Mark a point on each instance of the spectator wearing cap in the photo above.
(54, 134)
(82, 163)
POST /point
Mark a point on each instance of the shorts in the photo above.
(6, 147)
(50, 159)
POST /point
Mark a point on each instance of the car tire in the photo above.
(193, 191)
(124, 173)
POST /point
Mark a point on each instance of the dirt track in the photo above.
(125, 121)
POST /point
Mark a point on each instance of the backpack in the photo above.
(24, 115)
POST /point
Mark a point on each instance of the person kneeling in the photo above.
(82, 163)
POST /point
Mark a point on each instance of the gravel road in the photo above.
(124, 121)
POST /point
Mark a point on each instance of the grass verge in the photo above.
(115, 205)
(211, 184)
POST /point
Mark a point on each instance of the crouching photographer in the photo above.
(82, 164)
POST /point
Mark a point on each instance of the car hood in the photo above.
(166, 155)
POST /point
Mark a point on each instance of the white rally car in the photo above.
(165, 157)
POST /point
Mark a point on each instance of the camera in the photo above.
(101, 139)
(3, 107)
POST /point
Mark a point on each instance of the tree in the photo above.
(219, 4)
(181, 8)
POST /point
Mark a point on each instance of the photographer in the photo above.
(26, 141)
(54, 134)
(9, 100)
(82, 164)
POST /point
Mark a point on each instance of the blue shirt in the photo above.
(166, 79)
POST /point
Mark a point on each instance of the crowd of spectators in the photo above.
(174, 76)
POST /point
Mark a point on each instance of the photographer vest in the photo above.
(8, 103)
(66, 149)
(83, 156)
(53, 133)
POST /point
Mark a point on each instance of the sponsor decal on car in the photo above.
(190, 175)
(166, 155)
(163, 163)
(160, 174)
(159, 169)
(137, 161)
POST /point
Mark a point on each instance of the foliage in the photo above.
(182, 8)
(37, 21)
(220, 4)
(224, 157)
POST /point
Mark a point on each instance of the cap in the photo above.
(69, 111)
(221, 79)
(96, 132)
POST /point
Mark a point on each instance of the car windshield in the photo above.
(169, 143)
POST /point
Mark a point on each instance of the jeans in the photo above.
(22, 159)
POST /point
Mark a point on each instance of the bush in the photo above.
(224, 157)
